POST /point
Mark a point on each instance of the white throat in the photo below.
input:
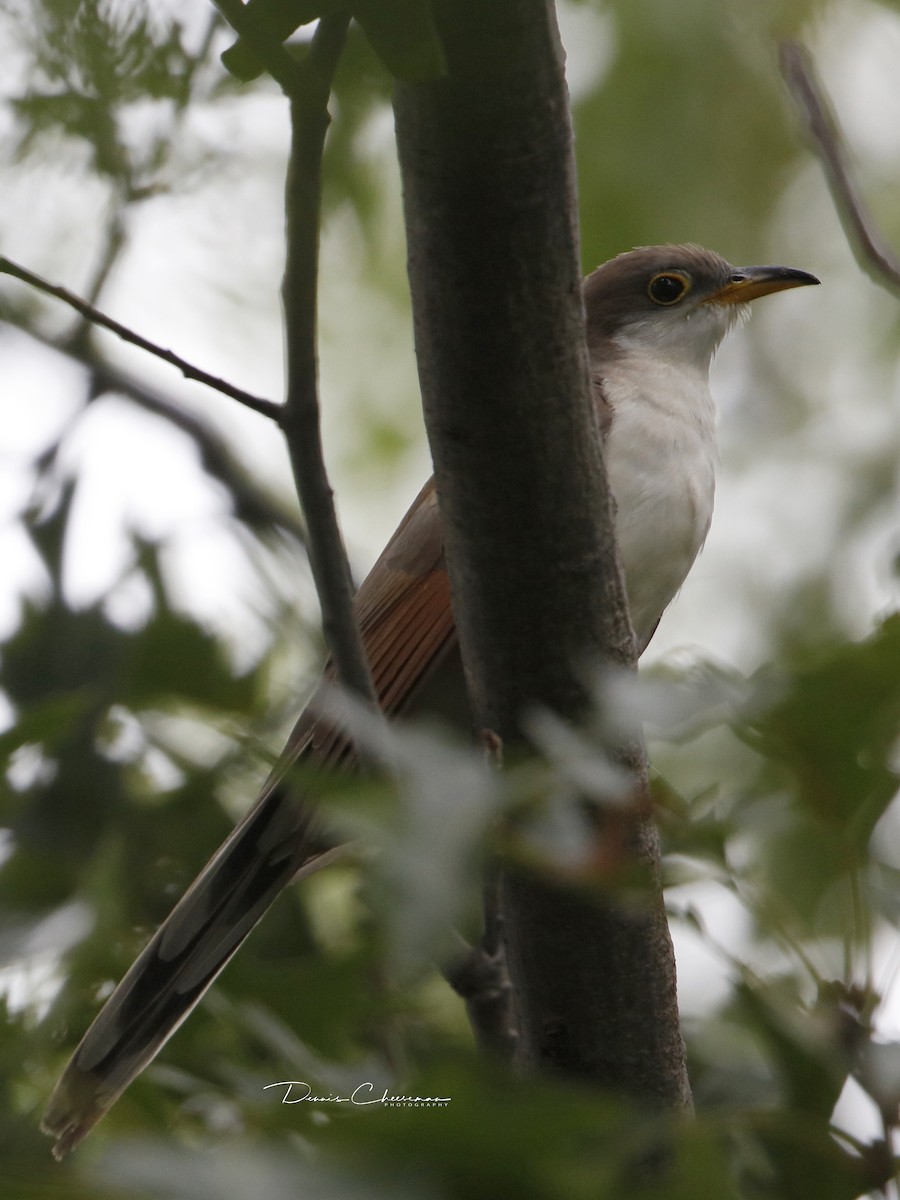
(686, 337)
(661, 453)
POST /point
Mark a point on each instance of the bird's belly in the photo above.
(664, 499)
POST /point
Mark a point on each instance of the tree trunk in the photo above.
(491, 218)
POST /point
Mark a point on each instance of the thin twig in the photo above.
(300, 417)
(266, 408)
(253, 505)
(307, 85)
(480, 978)
(114, 244)
(873, 254)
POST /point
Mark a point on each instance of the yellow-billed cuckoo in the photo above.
(655, 317)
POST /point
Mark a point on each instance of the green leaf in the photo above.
(835, 730)
(499, 1135)
(174, 656)
(807, 1161)
(404, 36)
(803, 1046)
(279, 18)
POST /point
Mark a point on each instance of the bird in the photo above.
(655, 317)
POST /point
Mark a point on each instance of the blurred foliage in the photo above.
(90, 68)
(676, 70)
(402, 33)
(131, 743)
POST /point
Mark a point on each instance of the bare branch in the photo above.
(480, 978)
(300, 416)
(254, 505)
(307, 85)
(265, 408)
(875, 257)
(114, 244)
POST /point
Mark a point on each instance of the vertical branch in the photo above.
(300, 418)
(490, 205)
(872, 252)
(307, 85)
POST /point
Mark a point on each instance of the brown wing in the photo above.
(407, 627)
(406, 621)
(404, 608)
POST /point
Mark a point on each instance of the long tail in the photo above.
(406, 620)
(264, 853)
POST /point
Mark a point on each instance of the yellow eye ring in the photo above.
(668, 287)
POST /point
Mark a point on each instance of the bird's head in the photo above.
(676, 301)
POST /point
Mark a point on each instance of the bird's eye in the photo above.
(667, 287)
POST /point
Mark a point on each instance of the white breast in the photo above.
(661, 457)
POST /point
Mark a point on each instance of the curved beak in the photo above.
(746, 283)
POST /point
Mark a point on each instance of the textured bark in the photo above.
(594, 981)
(489, 194)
